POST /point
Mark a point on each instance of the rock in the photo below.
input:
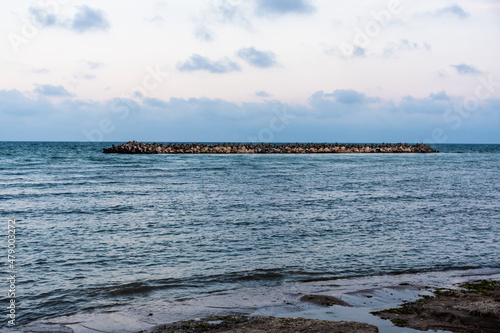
(476, 309)
(134, 147)
(243, 324)
(323, 300)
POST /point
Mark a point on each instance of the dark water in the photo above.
(98, 230)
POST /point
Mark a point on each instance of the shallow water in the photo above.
(97, 231)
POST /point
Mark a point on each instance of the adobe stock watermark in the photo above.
(123, 105)
(32, 24)
(277, 124)
(456, 113)
(371, 29)
(11, 260)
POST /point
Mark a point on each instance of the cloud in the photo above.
(342, 102)
(348, 96)
(87, 19)
(93, 64)
(358, 51)
(43, 16)
(404, 45)
(203, 33)
(15, 103)
(343, 115)
(264, 7)
(464, 69)
(84, 76)
(257, 58)
(436, 104)
(87, 70)
(228, 12)
(440, 96)
(346, 52)
(155, 102)
(157, 19)
(40, 70)
(40, 118)
(262, 93)
(453, 10)
(200, 63)
(51, 91)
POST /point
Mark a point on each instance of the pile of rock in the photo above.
(133, 147)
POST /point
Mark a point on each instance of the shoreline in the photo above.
(364, 294)
(471, 306)
(134, 147)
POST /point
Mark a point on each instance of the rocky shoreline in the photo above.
(456, 301)
(475, 307)
(134, 147)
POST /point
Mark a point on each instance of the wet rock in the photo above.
(475, 309)
(243, 324)
(323, 300)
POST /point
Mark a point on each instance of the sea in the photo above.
(107, 233)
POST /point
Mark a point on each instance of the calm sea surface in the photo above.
(97, 230)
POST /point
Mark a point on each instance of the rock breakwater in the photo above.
(133, 147)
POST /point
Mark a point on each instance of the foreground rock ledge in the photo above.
(133, 147)
(244, 324)
(473, 308)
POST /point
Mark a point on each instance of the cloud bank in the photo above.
(343, 115)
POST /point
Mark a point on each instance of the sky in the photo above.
(250, 71)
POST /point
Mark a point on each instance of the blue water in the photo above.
(102, 230)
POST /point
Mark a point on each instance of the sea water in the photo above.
(101, 231)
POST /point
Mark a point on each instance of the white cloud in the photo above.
(257, 58)
(464, 69)
(262, 93)
(203, 33)
(51, 91)
(453, 10)
(85, 19)
(266, 7)
(404, 45)
(88, 19)
(199, 63)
